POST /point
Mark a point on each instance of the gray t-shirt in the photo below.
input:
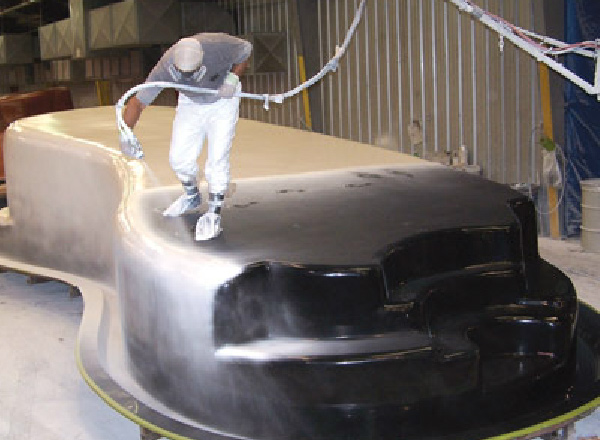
(221, 52)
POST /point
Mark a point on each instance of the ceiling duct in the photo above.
(56, 40)
(134, 23)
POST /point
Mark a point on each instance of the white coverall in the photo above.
(192, 124)
(202, 116)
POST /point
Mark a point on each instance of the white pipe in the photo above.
(534, 51)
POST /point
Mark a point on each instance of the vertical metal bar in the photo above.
(399, 50)
(254, 109)
(533, 125)
(264, 77)
(329, 77)
(289, 61)
(271, 77)
(272, 17)
(388, 61)
(517, 100)
(434, 72)
(474, 81)
(297, 81)
(262, 13)
(348, 79)
(411, 103)
(358, 97)
(238, 24)
(270, 114)
(533, 83)
(377, 71)
(302, 123)
(461, 139)
(257, 78)
(238, 17)
(298, 100)
(447, 62)
(280, 86)
(247, 31)
(279, 15)
(503, 106)
(423, 86)
(487, 98)
(368, 77)
(241, 15)
(339, 74)
(322, 83)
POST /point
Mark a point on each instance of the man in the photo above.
(212, 61)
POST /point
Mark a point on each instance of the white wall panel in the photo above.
(419, 77)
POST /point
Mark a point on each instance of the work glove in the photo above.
(130, 147)
(227, 90)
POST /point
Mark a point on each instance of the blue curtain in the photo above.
(582, 111)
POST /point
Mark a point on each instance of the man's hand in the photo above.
(227, 90)
(130, 147)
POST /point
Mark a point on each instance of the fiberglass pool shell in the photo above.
(371, 304)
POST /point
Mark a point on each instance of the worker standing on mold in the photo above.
(212, 61)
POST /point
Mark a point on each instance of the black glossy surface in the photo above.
(395, 303)
(458, 423)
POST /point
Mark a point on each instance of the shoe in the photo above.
(208, 226)
(185, 203)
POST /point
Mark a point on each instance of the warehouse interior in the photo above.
(421, 78)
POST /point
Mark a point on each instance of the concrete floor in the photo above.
(43, 397)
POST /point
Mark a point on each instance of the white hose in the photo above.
(128, 133)
(331, 66)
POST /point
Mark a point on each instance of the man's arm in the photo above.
(133, 111)
(131, 147)
(239, 69)
(227, 90)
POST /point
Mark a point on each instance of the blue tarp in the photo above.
(582, 111)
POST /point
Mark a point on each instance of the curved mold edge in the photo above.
(123, 402)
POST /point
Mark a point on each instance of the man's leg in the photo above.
(221, 132)
(186, 144)
(220, 137)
